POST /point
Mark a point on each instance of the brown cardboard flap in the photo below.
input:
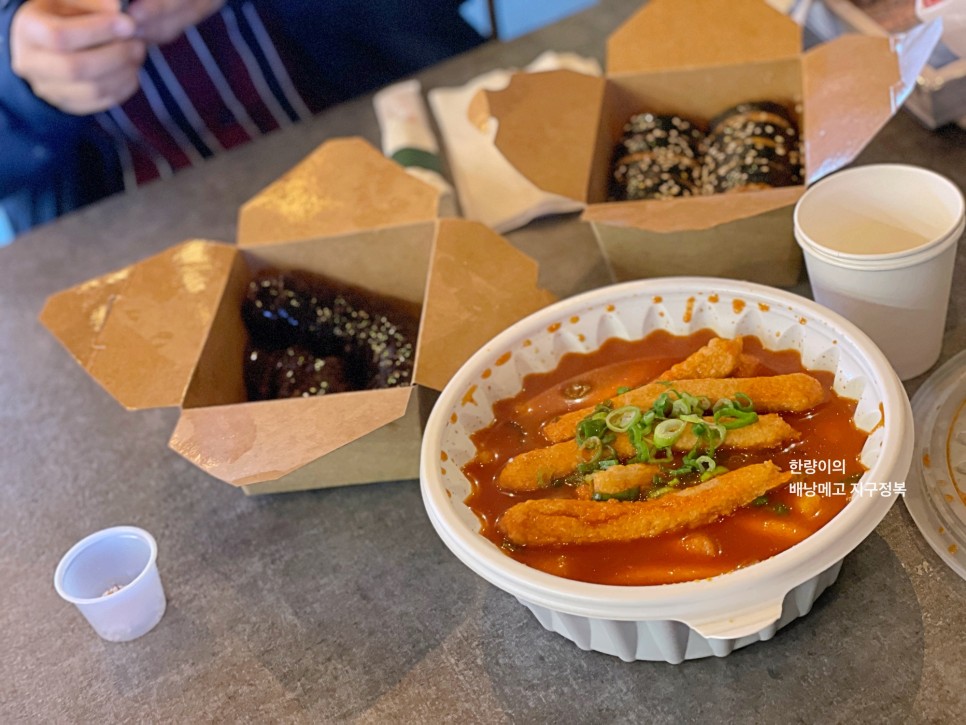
(547, 127)
(845, 107)
(390, 453)
(691, 213)
(392, 261)
(138, 331)
(343, 186)
(250, 443)
(694, 33)
(478, 286)
(760, 248)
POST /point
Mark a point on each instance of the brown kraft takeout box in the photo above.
(167, 331)
(696, 58)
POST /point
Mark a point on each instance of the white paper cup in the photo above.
(112, 578)
(880, 247)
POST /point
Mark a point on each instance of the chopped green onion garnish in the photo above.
(714, 473)
(590, 428)
(668, 431)
(664, 455)
(658, 492)
(623, 389)
(622, 419)
(781, 509)
(636, 436)
(661, 405)
(760, 501)
(732, 418)
(629, 494)
(743, 403)
(680, 408)
(705, 463)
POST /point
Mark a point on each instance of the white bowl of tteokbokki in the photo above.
(667, 469)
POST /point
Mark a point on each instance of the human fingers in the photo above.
(41, 65)
(86, 97)
(34, 25)
(77, 7)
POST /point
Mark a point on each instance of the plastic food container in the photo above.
(936, 497)
(671, 622)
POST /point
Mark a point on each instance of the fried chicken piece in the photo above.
(545, 522)
(792, 393)
(540, 467)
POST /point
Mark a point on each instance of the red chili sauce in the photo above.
(751, 534)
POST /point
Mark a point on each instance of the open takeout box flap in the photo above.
(691, 213)
(667, 34)
(345, 185)
(546, 126)
(845, 108)
(138, 331)
(478, 285)
(250, 443)
(385, 454)
(392, 261)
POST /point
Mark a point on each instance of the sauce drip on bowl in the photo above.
(751, 534)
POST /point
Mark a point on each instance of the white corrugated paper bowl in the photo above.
(670, 622)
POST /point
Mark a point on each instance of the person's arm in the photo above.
(54, 71)
(29, 127)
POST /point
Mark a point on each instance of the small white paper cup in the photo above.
(112, 577)
(880, 246)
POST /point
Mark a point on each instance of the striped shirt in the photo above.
(220, 84)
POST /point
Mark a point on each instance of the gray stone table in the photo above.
(343, 605)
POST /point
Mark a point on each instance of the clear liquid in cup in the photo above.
(870, 236)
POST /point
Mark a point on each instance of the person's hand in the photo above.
(80, 56)
(161, 21)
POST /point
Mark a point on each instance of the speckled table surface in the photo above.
(343, 605)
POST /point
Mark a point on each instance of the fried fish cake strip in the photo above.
(717, 359)
(535, 469)
(617, 479)
(769, 431)
(792, 393)
(748, 366)
(545, 522)
(540, 467)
